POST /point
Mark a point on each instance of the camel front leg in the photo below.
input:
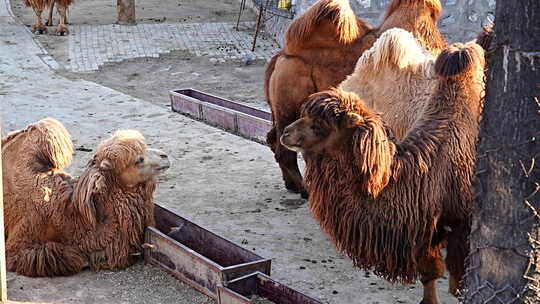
(62, 28)
(456, 254)
(51, 11)
(431, 268)
(66, 16)
(288, 163)
(38, 27)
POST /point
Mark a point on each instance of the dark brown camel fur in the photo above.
(321, 49)
(57, 225)
(391, 205)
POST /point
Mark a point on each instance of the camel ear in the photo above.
(105, 165)
(351, 120)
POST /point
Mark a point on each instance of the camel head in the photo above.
(42, 146)
(327, 118)
(127, 160)
(121, 162)
(337, 124)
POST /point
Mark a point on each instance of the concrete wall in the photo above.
(461, 19)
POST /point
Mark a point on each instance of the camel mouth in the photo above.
(162, 169)
(295, 148)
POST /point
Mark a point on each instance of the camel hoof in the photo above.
(39, 29)
(61, 30)
(49, 23)
(292, 187)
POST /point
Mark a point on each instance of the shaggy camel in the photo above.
(40, 5)
(388, 204)
(57, 225)
(321, 49)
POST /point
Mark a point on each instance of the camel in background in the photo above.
(321, 48)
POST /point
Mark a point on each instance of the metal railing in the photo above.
(274, 8)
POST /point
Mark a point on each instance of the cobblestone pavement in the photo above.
(91, 46)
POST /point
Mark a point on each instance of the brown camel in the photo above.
(321, 49)
(40, 5)
(389, 204)
(57, 225)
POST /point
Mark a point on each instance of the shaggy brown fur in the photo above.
(321, 49)
(56, 225)
(386, 203)
(40, 5)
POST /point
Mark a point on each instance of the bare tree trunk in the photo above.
(504, 264)
(126, 11)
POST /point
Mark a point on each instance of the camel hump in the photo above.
(458, 58)
(434, 5)
(55, 145)
(335, 12)
(397, 47)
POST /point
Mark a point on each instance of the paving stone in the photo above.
(91, 46)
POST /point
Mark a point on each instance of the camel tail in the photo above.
(47, 260)
(458, 58)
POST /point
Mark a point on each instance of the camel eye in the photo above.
(139, 161)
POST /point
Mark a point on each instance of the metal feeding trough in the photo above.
(258, 286)
(234, 117)
(197, 256)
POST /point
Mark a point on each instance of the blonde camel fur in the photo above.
(321, 48)
(396, 78)
(57, 225)
(388, 204)
(40, 5)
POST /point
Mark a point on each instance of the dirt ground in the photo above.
(151, 78)
(271, 221)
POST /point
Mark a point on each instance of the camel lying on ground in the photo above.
(321, 48)
(57, 225)
(40, 5)
(389, 204)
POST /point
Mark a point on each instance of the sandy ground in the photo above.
(228, 184)
(134, 285)
(151, 78)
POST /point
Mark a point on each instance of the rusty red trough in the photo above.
(231, 116)
(197, 256)
(241, 290)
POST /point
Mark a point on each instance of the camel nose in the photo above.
(285, 133)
